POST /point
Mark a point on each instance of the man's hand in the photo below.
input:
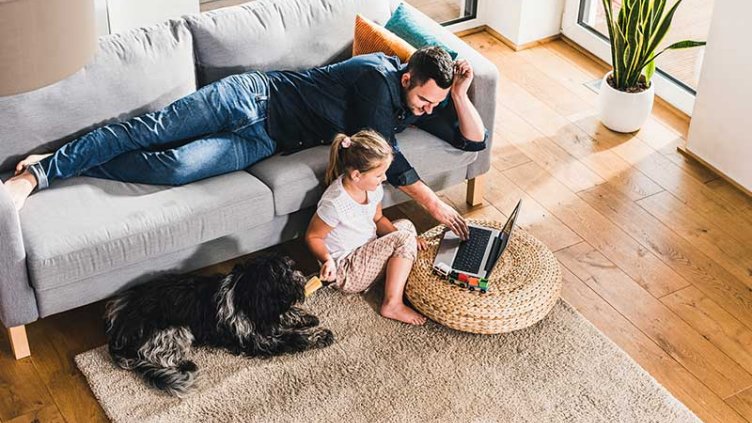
(463, 76)
(447, 215)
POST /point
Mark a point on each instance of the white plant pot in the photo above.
(621, 111)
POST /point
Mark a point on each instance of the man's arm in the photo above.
(457, 121)
(470, 123)
(441, 211)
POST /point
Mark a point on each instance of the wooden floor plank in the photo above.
(567, 74)
(689, 165)
(526, 75)
(49, 414)
(690, 191)
(617, 245)
(573, 140)
(714, 323)
(53, 348)
(632, 147)
(667, 371)
(680, 255)
(505, 155)
(701, 358)
(705, 234)
(742, 403)
(594, 154)
(724, 189)
(544, 151)
(22, 390)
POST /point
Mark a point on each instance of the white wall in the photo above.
(523, 21)
(721, 128)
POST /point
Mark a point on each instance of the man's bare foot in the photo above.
(402, 313)
(20, 187)
(23, 164)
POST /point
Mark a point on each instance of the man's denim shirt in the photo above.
(309, 108)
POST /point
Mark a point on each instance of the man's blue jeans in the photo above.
(218, 129)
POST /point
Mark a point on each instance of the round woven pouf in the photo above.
(522, 289)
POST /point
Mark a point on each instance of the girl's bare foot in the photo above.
(20, 187)
(23, 164)
(403, 313)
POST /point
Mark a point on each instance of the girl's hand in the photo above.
(328, 271)
(422, 244)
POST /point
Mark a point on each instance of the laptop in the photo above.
(477, 256)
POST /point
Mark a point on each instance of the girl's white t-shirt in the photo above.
(352, 222)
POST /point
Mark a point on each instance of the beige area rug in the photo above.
(559, 370)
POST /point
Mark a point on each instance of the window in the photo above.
(447, 12)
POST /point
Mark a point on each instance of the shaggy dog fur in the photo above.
(250, 311)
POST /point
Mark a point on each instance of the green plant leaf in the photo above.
(663, 27)
(675, 46)
(610, 25)
(649, 72)
(684, 44)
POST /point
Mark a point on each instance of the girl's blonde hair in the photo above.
(363, 151)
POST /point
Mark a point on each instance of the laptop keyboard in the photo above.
(470, 253)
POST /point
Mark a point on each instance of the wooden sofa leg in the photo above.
(19, 343)
(475, 189)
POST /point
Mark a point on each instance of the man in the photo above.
(242, 119)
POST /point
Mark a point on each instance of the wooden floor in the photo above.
(439, 10)
(655, 249)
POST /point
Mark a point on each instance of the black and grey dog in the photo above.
(250, 311)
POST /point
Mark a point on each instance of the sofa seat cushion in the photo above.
(83, 227)
(297, 180)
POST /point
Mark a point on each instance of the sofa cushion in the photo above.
(277, 35)
(371, 37)
(132, 73)
(297, 180)
(417, 29)
(88, 226)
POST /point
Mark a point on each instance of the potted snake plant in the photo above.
(627, 92)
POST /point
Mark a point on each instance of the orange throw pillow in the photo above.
(371, 37)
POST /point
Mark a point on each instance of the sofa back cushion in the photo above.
(371, 37)
(277, 35)
(132, 73)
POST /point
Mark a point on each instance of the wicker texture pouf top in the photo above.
(522, 289)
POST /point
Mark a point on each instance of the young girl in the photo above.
(356, 243)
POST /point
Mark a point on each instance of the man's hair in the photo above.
(431, 63)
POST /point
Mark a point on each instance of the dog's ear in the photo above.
(267, 287)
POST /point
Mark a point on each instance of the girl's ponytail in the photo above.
(335, 167)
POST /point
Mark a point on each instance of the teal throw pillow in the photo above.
(418, 30)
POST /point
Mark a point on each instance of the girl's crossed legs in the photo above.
(392, 256)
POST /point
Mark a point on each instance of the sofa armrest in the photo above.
(483, 91)
(18, 305)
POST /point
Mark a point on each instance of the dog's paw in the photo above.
(322, 338)
(309, 321)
